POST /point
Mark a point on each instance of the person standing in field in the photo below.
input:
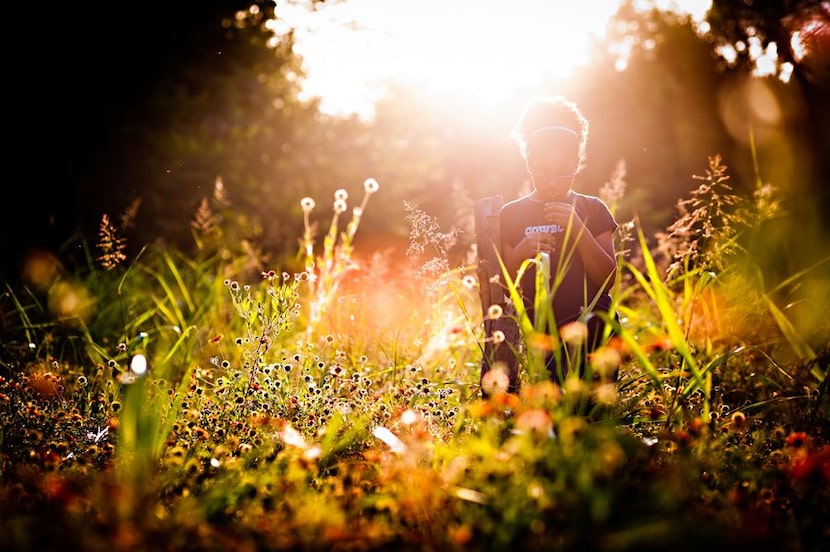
(574, 231)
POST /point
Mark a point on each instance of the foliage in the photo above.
(190, 408)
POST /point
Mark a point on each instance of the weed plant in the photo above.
(177, 402)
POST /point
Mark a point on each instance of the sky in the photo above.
(482, 49)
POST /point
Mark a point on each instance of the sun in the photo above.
(481, 50)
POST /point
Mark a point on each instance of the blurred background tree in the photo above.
(157, 103)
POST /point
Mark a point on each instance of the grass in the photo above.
(207, 403)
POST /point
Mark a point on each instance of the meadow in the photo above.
(201, 401)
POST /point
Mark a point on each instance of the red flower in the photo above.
(814, 466)
(798, 439)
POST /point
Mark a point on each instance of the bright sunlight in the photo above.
(478, 50)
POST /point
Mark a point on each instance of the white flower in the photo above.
(307, 204)
(371, 185)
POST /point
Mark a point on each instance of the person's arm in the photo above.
(598, 257)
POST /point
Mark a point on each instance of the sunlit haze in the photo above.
(483, 50)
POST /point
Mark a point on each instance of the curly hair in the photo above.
(550, 111)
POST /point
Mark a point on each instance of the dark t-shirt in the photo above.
(526, 215)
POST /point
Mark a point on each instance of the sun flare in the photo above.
(482, 51)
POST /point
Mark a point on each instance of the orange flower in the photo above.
(540, 341)
(659, 344)
(536, 420)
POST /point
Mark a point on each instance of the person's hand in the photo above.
(563, 214)
(538, 242)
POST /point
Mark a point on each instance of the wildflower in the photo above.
(605, 393)
(341, 195)
(574, 333)
(370, 185)
(739, 420)
(605, 361)
(215, 339)
(469, 281)
(814, 467)
(541, 392)
(682, 437)
(498, 336)
(798, 440)
(461, 535)
(659, 344)
(495, 380)
(111, 245)
(307, 204)
(696, 427)
(200, 433)
(540, 341)
(494, 312)
(339, 206)
(537, 421)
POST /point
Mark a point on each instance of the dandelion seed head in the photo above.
(371, 185)
(574, 333)
(494, 312)
(495, 380)
(307, 204)
(605, 361)
(469, 281)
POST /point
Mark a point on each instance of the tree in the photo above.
(799, 32)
